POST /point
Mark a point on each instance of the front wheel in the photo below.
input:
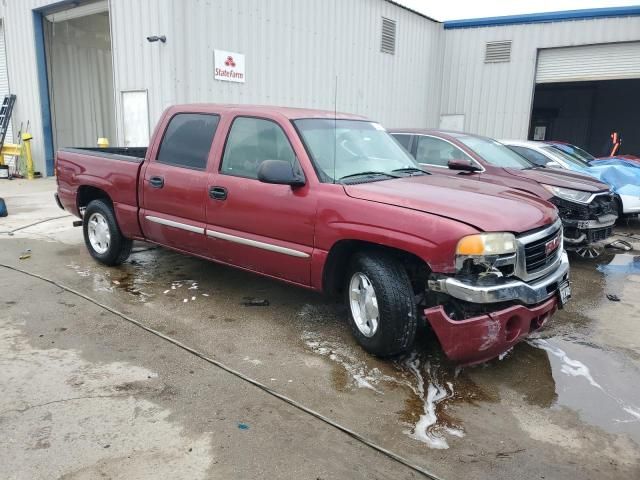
(102, 235)
(381, 304)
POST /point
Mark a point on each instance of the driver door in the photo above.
(254, 225)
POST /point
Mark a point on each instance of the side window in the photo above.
(531, 155)
(252, 141)
(434, 151)
(187, 140)
(403, 139)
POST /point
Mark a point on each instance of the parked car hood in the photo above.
(560, 178)
(482, 205)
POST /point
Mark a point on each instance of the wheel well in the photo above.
(86, 194)
(340, 255)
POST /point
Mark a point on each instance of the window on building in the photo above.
(434, 151)
(388, 39)
(252, 141)
(187, 140)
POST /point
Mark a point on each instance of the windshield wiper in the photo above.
(366, 174)
(410, 170)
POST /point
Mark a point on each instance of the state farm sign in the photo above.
(228, 66)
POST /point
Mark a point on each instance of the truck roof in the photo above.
(287, 112)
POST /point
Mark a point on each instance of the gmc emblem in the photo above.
(551, 245)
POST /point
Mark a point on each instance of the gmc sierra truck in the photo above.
(330, 203)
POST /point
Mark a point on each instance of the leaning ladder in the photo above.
(5, 116)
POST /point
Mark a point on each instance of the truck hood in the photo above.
(560, 178)
(487, 207)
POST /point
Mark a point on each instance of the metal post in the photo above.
(26, 139)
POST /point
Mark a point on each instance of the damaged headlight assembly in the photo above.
(485, 254)
(568, 194)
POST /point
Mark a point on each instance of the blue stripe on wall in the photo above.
(544, 17)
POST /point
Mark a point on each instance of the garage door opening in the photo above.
(585, 114)
(80, 75)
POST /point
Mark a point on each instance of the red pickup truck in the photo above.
(334, 204)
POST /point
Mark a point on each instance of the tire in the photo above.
(102, 235)
(397, 312)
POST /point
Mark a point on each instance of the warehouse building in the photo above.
(88, 69)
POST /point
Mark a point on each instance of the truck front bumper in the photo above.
(484, 337)
(509, 290)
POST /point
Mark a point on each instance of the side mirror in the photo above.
(279, 172)
(463, 166)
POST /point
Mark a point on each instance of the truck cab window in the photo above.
(433, 151)
(187, 140)
(251, 141)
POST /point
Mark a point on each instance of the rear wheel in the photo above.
(381, 304)
(102, 235)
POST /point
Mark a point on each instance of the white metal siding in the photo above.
(496, 98)
(294, 49)
(590, 62)
(4, 80)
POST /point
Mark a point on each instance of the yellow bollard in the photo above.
(103, 142)
(26, 142)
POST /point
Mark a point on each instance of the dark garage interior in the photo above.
(585, 114)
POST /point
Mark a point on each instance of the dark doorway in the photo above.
(585, 114)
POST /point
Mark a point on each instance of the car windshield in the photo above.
(354, 148)
(574, 163)
(575, 152)
(495, 153)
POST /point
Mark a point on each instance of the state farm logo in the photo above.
(551, 245)
(229, 66)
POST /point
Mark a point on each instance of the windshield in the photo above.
(575, 152)
(347, 148)
(495, 153)
(573, 163)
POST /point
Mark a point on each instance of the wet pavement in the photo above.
(564, 404)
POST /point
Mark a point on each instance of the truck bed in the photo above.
(130, 154)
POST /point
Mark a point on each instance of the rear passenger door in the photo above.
(262, 227)
(174, 189)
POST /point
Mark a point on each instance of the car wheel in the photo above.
(381, 305)
(102, 235)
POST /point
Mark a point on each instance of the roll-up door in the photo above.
(610, 61)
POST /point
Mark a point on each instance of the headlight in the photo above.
(483, 244)
(569, 194)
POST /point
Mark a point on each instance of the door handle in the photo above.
(156, 182)
(218, 193)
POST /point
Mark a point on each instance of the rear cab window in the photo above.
(187, 140)
(250, 142)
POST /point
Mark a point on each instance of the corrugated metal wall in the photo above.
(496, 98)
(4, 79)
(294, 50)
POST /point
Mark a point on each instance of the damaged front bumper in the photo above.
(585, 224)
(484, 337)
(506, 290)
(487, 335)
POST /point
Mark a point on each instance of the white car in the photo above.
(546, 155)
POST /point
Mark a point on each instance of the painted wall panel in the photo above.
(496, 98)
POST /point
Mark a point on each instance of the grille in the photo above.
(536, 257)
(601, 205)
(388, 41)
(497, 52)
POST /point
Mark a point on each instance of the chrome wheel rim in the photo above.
(364, 304)
(99, 234)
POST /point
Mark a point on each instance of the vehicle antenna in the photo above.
(335, 126)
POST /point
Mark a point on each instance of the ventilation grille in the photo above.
(388, 41)
(498, 52)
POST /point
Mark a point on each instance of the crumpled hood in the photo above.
(487, 207)
(561, 178)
